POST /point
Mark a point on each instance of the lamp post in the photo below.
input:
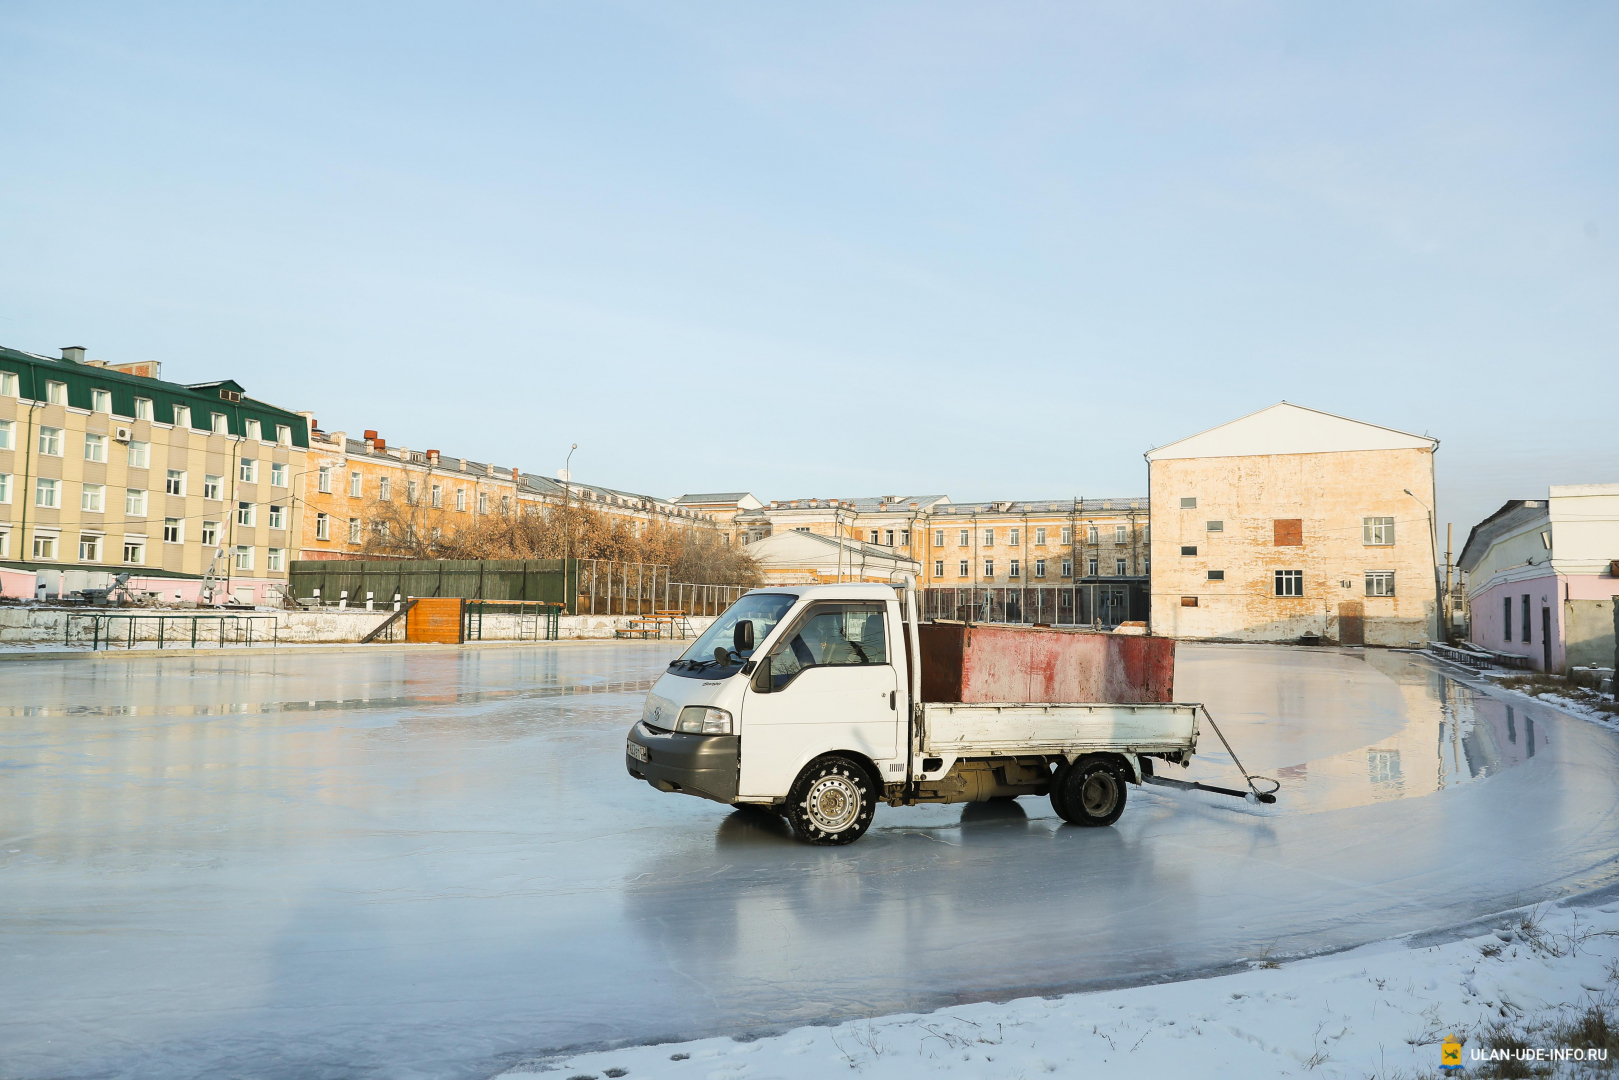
(1433, 539)
(567, 519)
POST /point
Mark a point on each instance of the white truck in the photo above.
(807, 700)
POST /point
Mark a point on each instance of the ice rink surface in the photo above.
(435, 865)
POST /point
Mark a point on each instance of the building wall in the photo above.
(988, 542)
(1489, 622)
(1330, 494)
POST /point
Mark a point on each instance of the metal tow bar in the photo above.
(1252, 795)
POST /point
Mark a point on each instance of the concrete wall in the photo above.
(1588, 633)
(1331, 493)
(27, 624)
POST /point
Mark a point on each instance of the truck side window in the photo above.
(831, 635)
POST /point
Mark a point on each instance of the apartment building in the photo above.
(107, 468)
(357, 488)
(1294, 524)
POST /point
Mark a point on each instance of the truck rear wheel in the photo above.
(1091, 791)
(831, 802)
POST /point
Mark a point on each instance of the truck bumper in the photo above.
(701, 765)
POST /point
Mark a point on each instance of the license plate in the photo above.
(635, 750)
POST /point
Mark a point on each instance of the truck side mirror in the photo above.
(742, 636)
(761, 677)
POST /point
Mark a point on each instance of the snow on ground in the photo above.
(1380, 1011)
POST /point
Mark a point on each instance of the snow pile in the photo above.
(1540, 978)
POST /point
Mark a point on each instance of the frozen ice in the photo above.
(436, 865)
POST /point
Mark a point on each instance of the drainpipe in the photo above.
(28, 459)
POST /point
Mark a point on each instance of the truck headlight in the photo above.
(701, 720)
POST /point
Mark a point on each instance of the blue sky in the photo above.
(842, 249)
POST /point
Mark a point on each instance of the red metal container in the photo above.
(974, 663)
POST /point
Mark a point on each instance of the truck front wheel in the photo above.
(831, 802)
(1091, 791)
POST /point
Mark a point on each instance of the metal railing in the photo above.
(546, 615)
(607, 587)
(1070, 605)
(240, 625)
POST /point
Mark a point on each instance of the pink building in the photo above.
(1541, 577)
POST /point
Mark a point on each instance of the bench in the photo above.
(644, 627)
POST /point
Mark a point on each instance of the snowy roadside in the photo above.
(1543, 977)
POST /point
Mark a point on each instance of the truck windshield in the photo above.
(763, 610)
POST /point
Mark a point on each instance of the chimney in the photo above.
(73, 354)
(372, 435)
(432, 457)
(370, 446)
(146, 369)
(516, 478)
(380, 444)
(463, 464)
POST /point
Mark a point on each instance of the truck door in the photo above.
(833, 688)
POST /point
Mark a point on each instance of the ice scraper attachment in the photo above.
(1252, 796)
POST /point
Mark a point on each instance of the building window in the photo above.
(1289, 532)
(143, 408)
(796, 528)
(1013, 539)
(171, 531)
(354, 530)
(95, 447)
(89, 548)
(50, 441)
(182, 416)
(44, 547)
(278, 474)
(1091, 567)
(1121, 534)
(1506, 619)
(1376, 531)
(140, 455)
(244, 557)
(1290, 583)
(989, 537)
(56, 393)
(1189, 503)
(384, 489)
(1380, 583)
(1067, 534)
(410, 492)
(1188, 601)
(248, 473)
(938, 568)
(1216, 575)
(1040, 537)
(8, 384)
(1093, 535)
(889, 537)
(210, 486)
(961, 569)
(278, 517)
(938, 538)
(1068, 568)
(437, 497)
(323, 479)
(134, 550)
(174, 483)
(5, 488)
(989, 568)
(963, 540)
(47, 493)
(323, 527)
(356, 485)
(283, 434)
(1039, 568)
(1524, 625)
(90, 498)
(483, 502)
(244, 514)
(100, 401)
(874, 539)
(1216, 526)
(1014, 570)
(6, 428)
(1120, 567)
(255, 431)
(461, 499)
(1188, 549)
(506, 506)
(5, 534)
(218, 425)
(273, 559)
(210, 533)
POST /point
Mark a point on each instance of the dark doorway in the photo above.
(1352, 623)
(1546, 637)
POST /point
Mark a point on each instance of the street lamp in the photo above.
(567, 519)
(1433, 538)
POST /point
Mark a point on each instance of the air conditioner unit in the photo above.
(122, 434)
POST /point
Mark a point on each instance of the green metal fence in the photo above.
(355, 582)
